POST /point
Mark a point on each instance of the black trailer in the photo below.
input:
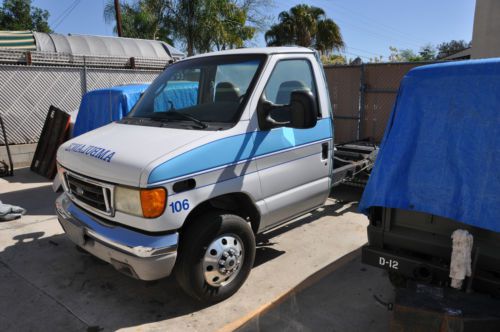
(437, 176)
(417, 246)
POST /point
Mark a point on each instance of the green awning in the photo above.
(17, 40)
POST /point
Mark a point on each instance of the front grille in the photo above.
(89, 193)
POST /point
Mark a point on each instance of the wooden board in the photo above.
(55, 132)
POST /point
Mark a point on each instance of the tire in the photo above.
(202, 247)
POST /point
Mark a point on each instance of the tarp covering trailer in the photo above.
(433, 199)
(440, 153)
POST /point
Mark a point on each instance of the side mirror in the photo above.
(301, 113)
(304, 109)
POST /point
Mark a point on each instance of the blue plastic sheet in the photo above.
(441, 150)
(103, 106)
(179, 94)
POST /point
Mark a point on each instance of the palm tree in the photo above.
(200, 25)
(145, 19)
(306, 26)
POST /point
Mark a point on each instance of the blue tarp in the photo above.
(103, 106)
(180, 94)
(441, 150)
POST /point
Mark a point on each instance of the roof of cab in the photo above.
(258, 50)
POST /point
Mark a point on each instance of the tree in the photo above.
(231, 29)
(427, 53)
(200, 25)
(376, 59)
(448, 48)
(403, 55)
(20, 15)
(306, 26)
(204, 25)
(145, 19)
(333, 59)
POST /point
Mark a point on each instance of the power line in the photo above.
(63, 12)
(369, 22)
(66, 12)
(370, 30)
(357, 55)
(388, 27)
(377, 34)
(364, 51)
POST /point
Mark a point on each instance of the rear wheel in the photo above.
(216, 254)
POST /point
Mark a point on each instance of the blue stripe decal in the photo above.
(237, 148)
(239, 176)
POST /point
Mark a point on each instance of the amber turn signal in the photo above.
(153, 202)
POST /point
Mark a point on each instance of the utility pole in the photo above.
(118, 18)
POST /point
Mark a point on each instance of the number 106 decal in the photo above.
(393, 264)
(179, 206)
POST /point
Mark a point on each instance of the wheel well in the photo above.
(238, 203)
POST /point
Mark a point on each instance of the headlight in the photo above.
(148, 203)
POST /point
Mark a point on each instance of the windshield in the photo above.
(200, 93)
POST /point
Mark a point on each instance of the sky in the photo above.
(369, 27)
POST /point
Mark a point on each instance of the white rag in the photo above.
(10, 212)
(460, 265)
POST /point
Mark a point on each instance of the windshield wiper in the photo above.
(202, 124)
(172, 111)
(164, 116)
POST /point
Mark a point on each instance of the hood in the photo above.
(118, 153)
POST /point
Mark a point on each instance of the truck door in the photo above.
(295, 176)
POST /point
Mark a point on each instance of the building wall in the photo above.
(486, 32)
(22, 154)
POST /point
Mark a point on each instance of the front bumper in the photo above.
(142, 256)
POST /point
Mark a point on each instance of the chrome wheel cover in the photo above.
(223, 260)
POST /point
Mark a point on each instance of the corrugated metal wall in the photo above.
(26, 93)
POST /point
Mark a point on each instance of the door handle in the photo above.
(324, 151)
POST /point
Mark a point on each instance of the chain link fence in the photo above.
(26, 93)
(363, 97)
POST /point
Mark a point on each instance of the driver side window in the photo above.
(289, 76)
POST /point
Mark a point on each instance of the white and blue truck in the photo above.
(219, 148)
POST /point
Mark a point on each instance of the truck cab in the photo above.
(220, 147)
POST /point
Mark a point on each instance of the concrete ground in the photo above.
(46, 284)
(344, 296)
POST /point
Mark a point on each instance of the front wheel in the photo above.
(216, 254)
